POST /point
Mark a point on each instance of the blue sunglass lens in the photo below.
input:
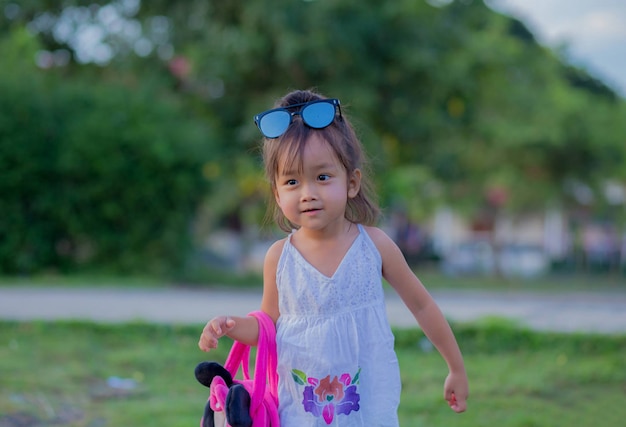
(318, 115)
(274, 124)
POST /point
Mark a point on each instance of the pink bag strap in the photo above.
(265, 371)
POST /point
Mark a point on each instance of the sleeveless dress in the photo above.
(336, 361)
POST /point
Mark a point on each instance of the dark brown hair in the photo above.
(342, 139)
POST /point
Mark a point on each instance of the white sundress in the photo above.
(336, 361)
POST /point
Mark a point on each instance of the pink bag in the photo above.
(263, 388)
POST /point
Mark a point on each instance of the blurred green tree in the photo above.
(455, 103)
(94, 176)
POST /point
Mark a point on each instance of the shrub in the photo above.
(95, 175)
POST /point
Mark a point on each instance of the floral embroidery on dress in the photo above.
(328, 397)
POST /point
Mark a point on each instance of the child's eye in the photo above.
(323, 177)
(291, 182)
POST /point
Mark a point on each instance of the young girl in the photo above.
(323, 282)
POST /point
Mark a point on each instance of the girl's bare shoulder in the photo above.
(275, 250)
(378, 236)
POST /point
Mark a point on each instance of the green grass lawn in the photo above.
(57, 374)
(430, 275)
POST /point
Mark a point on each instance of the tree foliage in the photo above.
(462, 93)
(452, 102)
(105, 175)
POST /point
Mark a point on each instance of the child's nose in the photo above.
(308, 192)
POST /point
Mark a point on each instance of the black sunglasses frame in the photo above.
(333, 101)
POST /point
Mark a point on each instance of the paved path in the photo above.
(603, 312)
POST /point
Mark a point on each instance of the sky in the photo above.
(594, 32)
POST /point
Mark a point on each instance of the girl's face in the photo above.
(315, 197)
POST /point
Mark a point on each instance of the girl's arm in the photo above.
(246, 329)
(242, 329)
(269, 304)
(430, 318)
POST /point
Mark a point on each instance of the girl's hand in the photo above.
(213, 331)
(456, 392)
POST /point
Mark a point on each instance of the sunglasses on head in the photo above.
(315, 114)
